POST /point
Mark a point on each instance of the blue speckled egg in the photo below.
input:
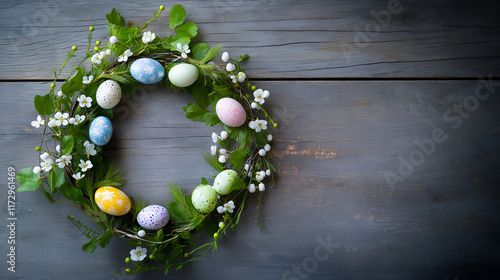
(147, 71)
(100, 131)
(153, 217)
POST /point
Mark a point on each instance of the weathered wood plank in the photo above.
(336, 143)
(285, 39)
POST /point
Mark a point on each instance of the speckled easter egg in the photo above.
(112, 201)
(204, 198)
(108, 94)
(100, 131)
(147, 71)
(230, 112)
(183, 75)
(153, 217)
(225, 181)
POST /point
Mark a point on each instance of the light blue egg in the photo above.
(147, 71)
(100, 131)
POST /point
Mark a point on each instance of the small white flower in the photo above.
(108, 52)
(247, 166)
(223, 158)
(78, 176)
(258, 125)
(38, 122)
(229, 207)
(241, 77)
(213, 150)
(251, 188)
(265, 94)
(64, 160)
(84, 101)
(37, 169)
(230, 67)
(260, 175)
(113, 40)
(262, 152)
(258, 96)
(58, 148)
(141, 233)
(60, 94)
(77, 119)
(52, 123)
(267, 147)
(225, 56)
(96, 58)
(255, 106)
(215, 137)
(125, 55)
(268, 172)
(220, 209)
(89, 148)
(61, 119)
(148, 37)
(44, 156)
(223, 135)
(233, 79)
(262, 187)
(85, 165)
(138, 254)
(223, 152)
(87, 80)
(47, 165)
(184, 50)
(269, 137)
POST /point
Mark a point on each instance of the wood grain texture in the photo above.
(335, 143)
(285, 39)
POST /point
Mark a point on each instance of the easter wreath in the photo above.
(76, 124)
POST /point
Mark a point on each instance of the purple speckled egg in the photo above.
(153, 217)
(230, 112)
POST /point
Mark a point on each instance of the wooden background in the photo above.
(356, 86)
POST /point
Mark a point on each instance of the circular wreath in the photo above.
(76, 124)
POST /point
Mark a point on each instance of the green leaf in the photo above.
(175, 253)
(27, 179)
(211, 227)
(74, 83)
(159, 235)
(237, 158)
(44, 105)
(204, 181)
(241, 134)
(177, 16)
(67, 144)
(56, 178)
(201, 95)
(211, 54)
(72, 193)
(194, 112)
(128, 33)
(188, 29)
(47, 195)
(115, 18)
(90, 246)
(173, 41)
(200, 51)
(104, 239)
(242, 57)
(211, 118)
(222, 89)
(185, 235)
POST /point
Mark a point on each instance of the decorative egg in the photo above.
(109, 94)
(224, 181)
(112, 201)
(100, 131)
(183, 75)
(147, 71)
(204, 198)
(230, 112)
(153, 217)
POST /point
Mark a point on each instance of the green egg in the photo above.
(225, 181)
(204, 198)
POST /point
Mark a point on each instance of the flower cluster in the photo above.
(239, 77)
(223, 154)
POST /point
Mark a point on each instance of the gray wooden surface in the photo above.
(348, 121)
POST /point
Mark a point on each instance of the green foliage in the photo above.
(72, 193)
(199, 51)
(44, 105)
(177, 16)
(188, 29)
(237, 158)
(56, 178)
(29, 181)
(90, 246)
(67, 144)
(74, 83)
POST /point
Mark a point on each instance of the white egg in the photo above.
(183, 75)
(225, 181)
(109, 94)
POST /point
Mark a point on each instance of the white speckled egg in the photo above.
(109, 94)
(100, 131)
(204, 198)
(230, 112)
(225, 181)
(147, 71)
(153, 217)
(112, 201)
(183, 75)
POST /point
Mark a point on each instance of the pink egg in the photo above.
(230, 112)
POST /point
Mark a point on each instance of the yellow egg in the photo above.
(112, 201)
